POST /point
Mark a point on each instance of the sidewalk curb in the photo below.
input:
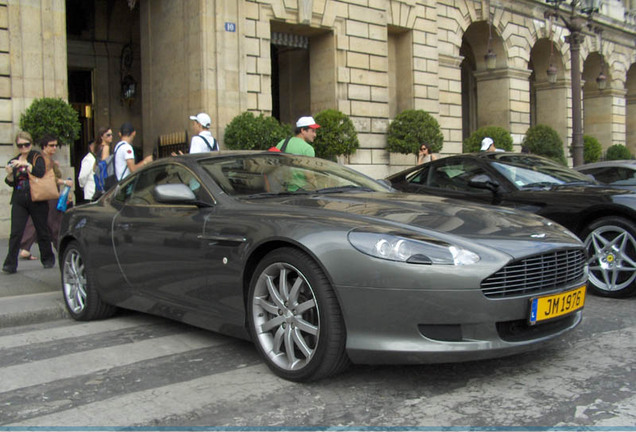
(32, 309)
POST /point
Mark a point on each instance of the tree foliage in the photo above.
(501, 137)
(545, 141)
(618, 152)
(592, 149)
(249, 132)
(412, 128)
(336, 136)
(53, 117)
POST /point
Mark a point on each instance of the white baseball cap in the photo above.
(307, 122)
(203, 119)
(486, 143)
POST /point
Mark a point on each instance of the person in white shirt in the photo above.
(85, 177)
(202, 140)
(125, 154)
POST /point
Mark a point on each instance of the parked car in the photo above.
(320, 265)
(621, 173)
(603, 217)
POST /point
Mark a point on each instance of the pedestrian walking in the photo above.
(86, 176)
(22, 206)
(124, 159)
(49, 145)
(305, 134)
(202, 141)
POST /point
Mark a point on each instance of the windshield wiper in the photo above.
(543, 184)
(275, 194)
(339, 189)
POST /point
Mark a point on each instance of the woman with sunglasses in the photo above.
(49, 145)
(18, 169)
(425, 154)
(103, 142)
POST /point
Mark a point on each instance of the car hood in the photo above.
(488, 225)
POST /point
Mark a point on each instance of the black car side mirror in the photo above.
(483, 181)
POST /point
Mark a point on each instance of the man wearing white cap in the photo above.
(487, 145)
(202, 140)
(300, 144)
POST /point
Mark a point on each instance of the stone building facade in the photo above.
(155, 62)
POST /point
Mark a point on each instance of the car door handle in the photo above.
(124, 226)
(223, 238)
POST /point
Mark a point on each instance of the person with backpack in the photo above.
(300, 144)
(202, 140)
(124, 154)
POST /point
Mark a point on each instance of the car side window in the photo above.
(163, 174)
(419, 177)
(454, 174)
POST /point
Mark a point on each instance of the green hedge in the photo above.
(248, 132)
(336, 135)
(618, 152)
(545, 141)
(501, 137)
(51, 116)
(592, 149)
(412, 128)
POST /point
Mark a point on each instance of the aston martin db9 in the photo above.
(604, 217)
(319, 265)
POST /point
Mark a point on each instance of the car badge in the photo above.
(538, 235)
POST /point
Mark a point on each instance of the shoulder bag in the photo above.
(43, 188)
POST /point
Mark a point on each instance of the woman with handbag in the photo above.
(49, 145)
(21, 170)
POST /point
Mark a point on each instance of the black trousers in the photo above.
(21, 208)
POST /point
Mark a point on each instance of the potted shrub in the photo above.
(545, 141)
(249, 132)
(501, 137)
(592, 149)
(618, 152)
(51, 116)
(336, 137)
(412, 128)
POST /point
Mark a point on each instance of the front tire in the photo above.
(295, 319)
(611, 247)
(80, 295)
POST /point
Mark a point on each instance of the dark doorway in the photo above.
(80, 96)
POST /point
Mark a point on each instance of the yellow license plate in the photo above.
(553, 306)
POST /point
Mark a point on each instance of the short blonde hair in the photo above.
(25, 136)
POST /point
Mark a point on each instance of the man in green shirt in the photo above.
(305, 134)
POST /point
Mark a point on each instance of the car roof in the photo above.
(628, 163)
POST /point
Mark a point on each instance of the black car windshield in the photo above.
(265, 174)
(527, 171)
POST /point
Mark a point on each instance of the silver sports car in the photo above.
(320, 265)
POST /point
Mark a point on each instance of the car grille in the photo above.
(535, 274)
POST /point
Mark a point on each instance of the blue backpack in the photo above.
(105, 177)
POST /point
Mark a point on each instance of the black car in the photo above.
(603, 217)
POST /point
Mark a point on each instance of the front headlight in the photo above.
(396, 248)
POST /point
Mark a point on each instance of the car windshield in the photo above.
(265, 174)
(526, 171)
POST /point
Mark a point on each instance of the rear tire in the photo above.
(80, 294)
(295, 319)
(611, 247)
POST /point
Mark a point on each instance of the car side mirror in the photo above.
(483, 181)
(174, 194)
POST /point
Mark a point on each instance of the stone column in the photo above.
(604, 116)
(503, 99)
(552, 107)
(450, 102)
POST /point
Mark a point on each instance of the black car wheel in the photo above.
(80, 296)
(294, 317)
(611, 246)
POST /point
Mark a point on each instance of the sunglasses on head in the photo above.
(23, 145)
